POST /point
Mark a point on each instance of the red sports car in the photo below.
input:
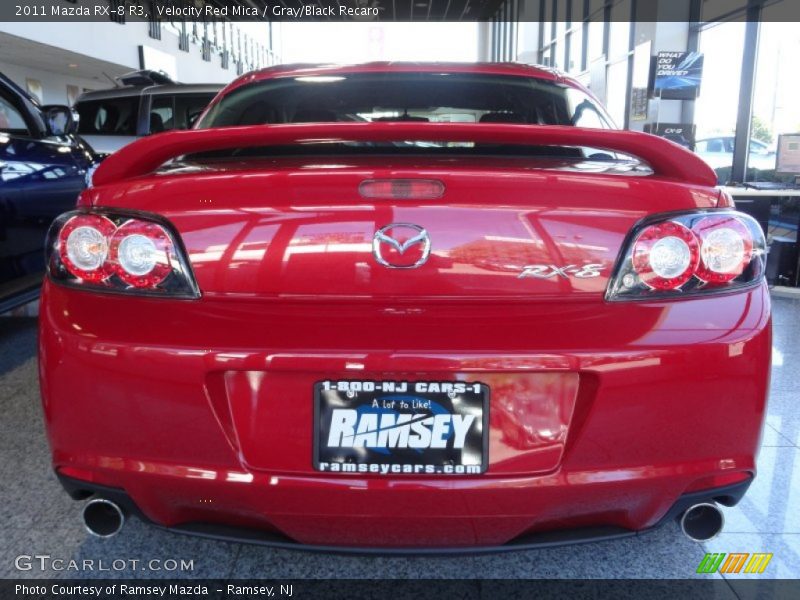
(403, 307)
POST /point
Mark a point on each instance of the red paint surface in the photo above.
(601, 413)
(145, 154)
(668, 393)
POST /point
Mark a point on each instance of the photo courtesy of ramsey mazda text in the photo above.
(492, 290)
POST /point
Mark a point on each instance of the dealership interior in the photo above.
(717, 77)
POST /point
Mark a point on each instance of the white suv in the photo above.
(146, 104)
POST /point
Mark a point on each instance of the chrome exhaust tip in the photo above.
(103, 518)
(702, 522)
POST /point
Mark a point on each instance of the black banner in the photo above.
(121, 11)
(419, 589)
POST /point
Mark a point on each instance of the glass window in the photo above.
(717, 105)
(561, 28)
(11, 120)
(595, 46)
(616, 88)
(188, 107)
(557, 56)
(111, 116)
(576, 49)
(162, 114)
(546, 56)
(775, 96)
(548, 20)
(619, 39)
(717, 145)
(757, 147)
(619, 35)
(419, 97)
(585, 113)
(403, 97)
(547, 32)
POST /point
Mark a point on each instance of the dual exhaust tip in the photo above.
(700, 522)
(103, 518)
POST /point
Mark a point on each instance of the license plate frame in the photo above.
(459, 400)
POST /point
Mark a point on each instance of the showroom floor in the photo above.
(37, 517)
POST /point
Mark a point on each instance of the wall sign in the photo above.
(680, 133)
(678, 75)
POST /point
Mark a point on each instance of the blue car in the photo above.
(43, 168)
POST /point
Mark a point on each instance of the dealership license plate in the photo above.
(401, 427)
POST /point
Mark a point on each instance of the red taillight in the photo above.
(401, 189)
(726, 248)
(690, 253)
(118, 252)
(83, 246)
(139, 253)
(665, 255)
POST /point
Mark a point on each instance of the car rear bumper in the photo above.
(670, 401)
(726, 495)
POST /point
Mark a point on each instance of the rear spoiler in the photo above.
(143, 156)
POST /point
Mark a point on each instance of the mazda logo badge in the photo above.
(390, 244)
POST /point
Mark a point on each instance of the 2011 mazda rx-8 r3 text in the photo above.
(405, 306)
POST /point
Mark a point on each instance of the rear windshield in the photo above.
(411, 97)
(420, 97)
(112, 116)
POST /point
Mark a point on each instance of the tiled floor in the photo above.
(37, 518)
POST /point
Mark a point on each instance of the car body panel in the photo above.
(670, 393)
(40, 178)
(600, 414)
(305, 224)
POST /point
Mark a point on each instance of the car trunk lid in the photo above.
(503, 228)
